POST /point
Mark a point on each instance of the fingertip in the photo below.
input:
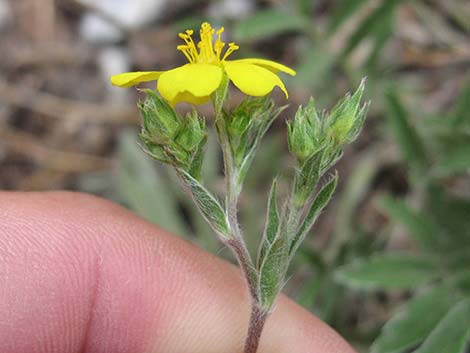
(126, 286)
(291, 328)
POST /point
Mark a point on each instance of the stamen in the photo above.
(219, 44)
(231, 48)
(189, 50)
(206, 50)
(184, 50)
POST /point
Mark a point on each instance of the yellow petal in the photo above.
(193, 83)
(129, 79)
(189, 98)
(268, 64)
(253, 80)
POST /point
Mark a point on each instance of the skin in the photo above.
(81, 274)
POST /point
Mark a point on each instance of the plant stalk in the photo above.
(237, 244)
(257, 320)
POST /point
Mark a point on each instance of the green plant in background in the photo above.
(316, 140)
(437, 153)
(320, 50)
(324, 39)
(437, 271)
(433, 264)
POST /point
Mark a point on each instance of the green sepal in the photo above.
(220, 95)
(191, 132)
(192, 138)
(155, 151)
(207, 204)
(331, 155)
(195, 169)
(160, 121)
(320, 201)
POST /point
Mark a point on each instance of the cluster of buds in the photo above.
(171, 138)
(317, 140)
(247, 124)
(345, 121)
(305, 132)
(311, 132)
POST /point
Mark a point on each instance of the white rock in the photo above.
(231, 9)
(130, 13)
(112, 61)
(97, 30)
(6, 16)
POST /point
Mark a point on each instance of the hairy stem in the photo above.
(257, 320)
(237, 243)
(244, 260)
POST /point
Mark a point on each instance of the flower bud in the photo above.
(170, 138)
(347, 117)
(246, 123)
(160, 121)
(304, 133)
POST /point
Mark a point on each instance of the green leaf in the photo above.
(388, 271)
(462, 113)
(268, 23)
(320, 201)
(272, 224)
(407, 327)
(462, 281)
(451, 214)
(306, 6)
(452, 334)
(355, 190)
(455, 158)
(343, 11)
(420, 228)
(207, 204)
(411, 144)
(306, 179)
(370, 24)
(273, 269)
(381, 35)
(316, 63)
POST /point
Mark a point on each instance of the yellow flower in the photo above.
(196, 81)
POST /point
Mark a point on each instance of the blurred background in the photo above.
(388, 263)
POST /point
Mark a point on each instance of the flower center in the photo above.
(206, 51)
